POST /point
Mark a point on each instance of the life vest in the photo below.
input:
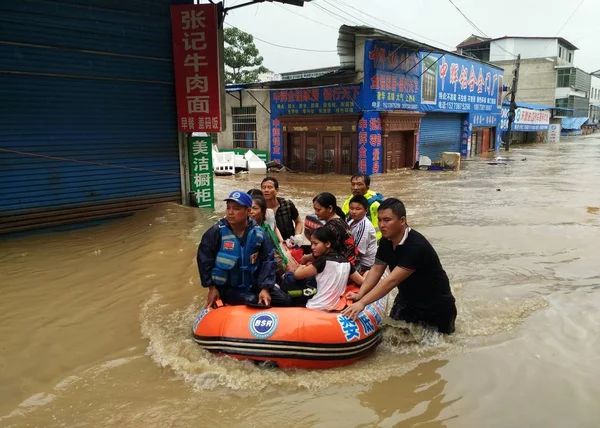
(377, 197)
(371, 212)
(237, 261)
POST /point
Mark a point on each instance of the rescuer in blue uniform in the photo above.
(236, 261)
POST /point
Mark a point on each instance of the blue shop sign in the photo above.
(453, 84)
(391, 77)
(485, 120)
(338, 99)
(526, 120)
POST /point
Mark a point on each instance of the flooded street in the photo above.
(96, 323)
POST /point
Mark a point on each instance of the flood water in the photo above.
(95, 323)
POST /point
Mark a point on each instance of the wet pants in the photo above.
(440, 317)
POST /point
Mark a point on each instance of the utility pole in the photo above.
(513, 104)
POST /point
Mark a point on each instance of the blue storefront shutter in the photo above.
(439, 132)
(87, 119)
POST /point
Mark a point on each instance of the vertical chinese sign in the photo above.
(465, 140)
(276, 141)
(201, 171)
(196, 62)
(370, 153)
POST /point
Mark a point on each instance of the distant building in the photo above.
(308, 74)
(390, 101)
(269, 76)
(547, 75)
(595, 97)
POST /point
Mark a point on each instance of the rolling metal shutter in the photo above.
(87, 118)
(439, 133)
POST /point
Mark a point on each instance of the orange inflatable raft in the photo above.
(290, 337)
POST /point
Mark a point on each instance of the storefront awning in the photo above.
(532, 106)
(573, 123)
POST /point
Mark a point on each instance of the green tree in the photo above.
(243, 64)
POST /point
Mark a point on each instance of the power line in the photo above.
(569, 18)
(340, 18)
(390, 24)
(479, 29)
(305, 17)
(468, 20)
(347, 13)
(282, 46)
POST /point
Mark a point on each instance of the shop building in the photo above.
(405, 99)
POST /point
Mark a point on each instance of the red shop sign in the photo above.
(196, 62)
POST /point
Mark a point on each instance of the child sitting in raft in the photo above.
(332, 270)
(365, 236)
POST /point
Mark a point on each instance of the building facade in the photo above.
(405, 99)
(547, 75)
(595, 97)
(246, 119)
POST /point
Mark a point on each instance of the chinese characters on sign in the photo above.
(554, 133)
(196, 62)
(201, 171)
(391, 79)
(461, 85)
(370, 153)
(465, 139)
(526, 120)
(276, 140)
(484, 120)
(327, 100)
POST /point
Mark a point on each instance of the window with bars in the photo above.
(429, 81)
(244, 127)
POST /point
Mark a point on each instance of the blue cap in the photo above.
(241, 198)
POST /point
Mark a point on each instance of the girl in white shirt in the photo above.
(332, 270)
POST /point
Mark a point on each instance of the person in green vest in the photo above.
(360, 187)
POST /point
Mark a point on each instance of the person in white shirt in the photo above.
(331, 268)
(365, 236)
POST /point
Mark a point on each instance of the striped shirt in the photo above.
(365, 238)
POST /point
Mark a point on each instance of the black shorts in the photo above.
(440, 317)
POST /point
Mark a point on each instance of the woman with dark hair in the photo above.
(326, 209)
(330, 269)
(269, 216)
(258, 212)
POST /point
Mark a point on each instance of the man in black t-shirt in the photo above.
(424, 295)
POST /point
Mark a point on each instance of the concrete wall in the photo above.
(537, 80)
(595, 90)
(528, 48)
(595, 99)
(567, 92)
(263, 130)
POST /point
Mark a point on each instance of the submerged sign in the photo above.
(454, 84)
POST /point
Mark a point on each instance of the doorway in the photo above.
(399, 150)
(321, 152)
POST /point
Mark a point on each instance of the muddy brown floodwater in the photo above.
(95, 323)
